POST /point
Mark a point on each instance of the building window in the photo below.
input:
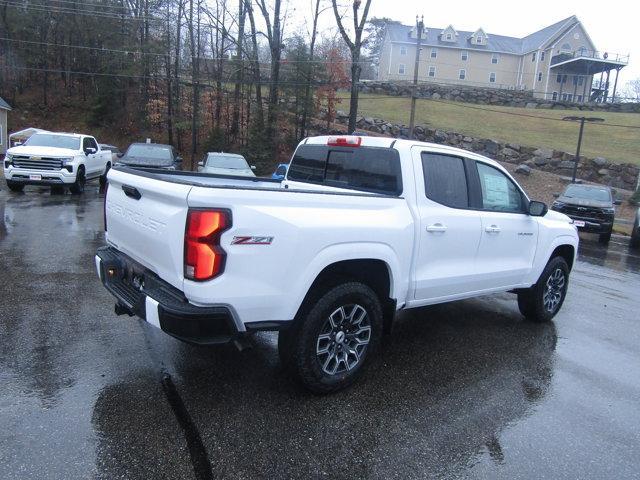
(580, 81)
(542, 56)
(566, 48)
(479, 40)
(434, 53)
(492, 77)
(449, 36)
(463, 74)
(575, 80)
(464, 56)
(560, 78)
(494, 58)
(554, 96)
(533, 57)
(403, 50)
(401, 69)
(432, 71)
(539, 76)
(579, 98)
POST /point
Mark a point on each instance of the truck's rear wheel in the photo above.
(327, 349)
(77, 187)
(14, 186)
(103, 177)
(542, 301)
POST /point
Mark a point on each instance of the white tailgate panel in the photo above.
(150, 230)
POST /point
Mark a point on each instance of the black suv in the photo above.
(590, 207)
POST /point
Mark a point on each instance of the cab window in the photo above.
(499, 193)
(445, 180)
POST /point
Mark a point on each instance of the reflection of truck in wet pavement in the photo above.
(58, 160)
(359, 228)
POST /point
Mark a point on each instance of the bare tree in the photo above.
(312, 45)
(237, 104)
(255, 65)
(274, 37)
(355, 46)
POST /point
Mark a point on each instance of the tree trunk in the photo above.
(237, 104)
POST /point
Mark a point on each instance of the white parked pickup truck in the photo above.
(361, 227)
(56, 159)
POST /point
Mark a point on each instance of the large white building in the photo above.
(558, 62)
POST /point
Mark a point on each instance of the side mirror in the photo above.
(119, 154)
(201, 164)
(253, 167)
(617, 201)
(178, 159)
(89, 151)
(556, 195)
(537, 209)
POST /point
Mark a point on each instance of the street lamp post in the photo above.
(581, 120)
(414, 89)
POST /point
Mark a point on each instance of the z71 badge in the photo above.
(252, 241)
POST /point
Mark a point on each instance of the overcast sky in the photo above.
(613, 25)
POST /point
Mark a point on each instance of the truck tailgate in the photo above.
(146, 221)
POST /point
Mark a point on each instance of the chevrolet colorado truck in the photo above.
(360, 228)
(56, 159)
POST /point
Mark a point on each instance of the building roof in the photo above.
(496, 43)
(4, 104)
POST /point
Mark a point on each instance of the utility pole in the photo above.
(414, 90)
(581, 120)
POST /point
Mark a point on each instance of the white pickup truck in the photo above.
(360, 228)
(58, 160)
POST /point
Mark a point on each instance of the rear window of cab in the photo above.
(368, 169)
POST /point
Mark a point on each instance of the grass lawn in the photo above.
(614, 143)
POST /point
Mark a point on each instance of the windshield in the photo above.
(53, 140)
(227, 161)
(157, 152)
(588, 193)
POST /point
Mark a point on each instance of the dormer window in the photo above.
(403, 50)
(449, 34)
(479, 37)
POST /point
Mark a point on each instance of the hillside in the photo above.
(527, 127)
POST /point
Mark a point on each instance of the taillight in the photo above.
(203, 257)
(104, 206)
(349, 141)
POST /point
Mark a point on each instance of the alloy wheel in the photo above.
(554, 290)
(343, 339)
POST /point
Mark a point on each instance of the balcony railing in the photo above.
(590, 54)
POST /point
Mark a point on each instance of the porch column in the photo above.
(615, 85)
(575, 86)
(561, 86)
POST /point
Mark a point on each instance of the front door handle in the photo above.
(437, 227)
(492, 229)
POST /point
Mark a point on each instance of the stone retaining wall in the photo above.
(599, 169)
(489, 96)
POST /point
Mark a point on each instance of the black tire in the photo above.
(103, 177)
(57, 190)
(534, 303)
(635, 237)
(604, 238)
(77, 187)
(332, 326)
(15, 187)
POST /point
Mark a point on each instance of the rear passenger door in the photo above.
(509, 233)
(449, 233)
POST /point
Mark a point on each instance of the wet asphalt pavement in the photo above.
(465, 390)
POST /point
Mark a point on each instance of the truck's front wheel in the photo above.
(542, 301)
(77, 187)
(327, 348)
(14, 186)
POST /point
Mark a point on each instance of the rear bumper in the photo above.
(140, 292)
